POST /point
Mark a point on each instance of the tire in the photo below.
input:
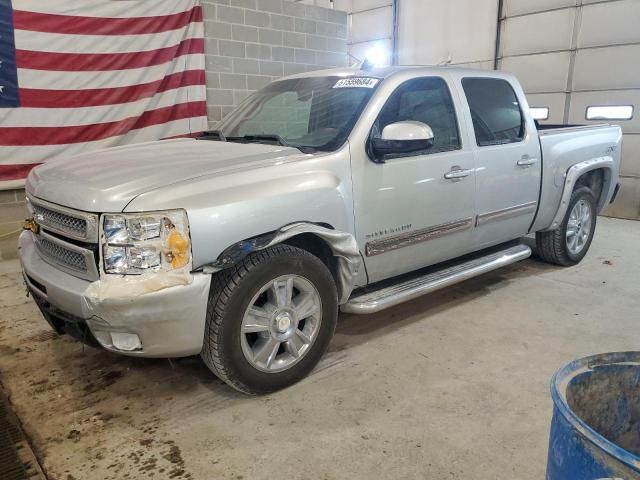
(234, 353)
(555, 246)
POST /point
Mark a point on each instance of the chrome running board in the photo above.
(389, 296)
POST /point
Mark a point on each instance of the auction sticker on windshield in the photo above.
(357, 82)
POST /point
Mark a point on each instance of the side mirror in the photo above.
(402, 137)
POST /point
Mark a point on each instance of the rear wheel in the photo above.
(568, 244)
(269, 319)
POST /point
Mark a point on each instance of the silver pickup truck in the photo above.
(352, 189)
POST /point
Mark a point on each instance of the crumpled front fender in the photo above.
(343, 245)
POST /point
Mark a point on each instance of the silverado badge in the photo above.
(31, 224)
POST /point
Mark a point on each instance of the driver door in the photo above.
(410, 210)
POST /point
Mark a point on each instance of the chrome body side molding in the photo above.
(378, 247)
(386, 297)
(505, 213)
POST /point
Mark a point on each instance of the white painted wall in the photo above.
(456, 31)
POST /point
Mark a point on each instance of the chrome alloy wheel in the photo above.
(578, 227)
(281, 323)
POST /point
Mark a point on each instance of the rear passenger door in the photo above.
(507, 159)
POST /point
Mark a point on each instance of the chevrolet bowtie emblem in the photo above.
(31, 224)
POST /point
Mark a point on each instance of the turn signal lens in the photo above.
(177, 249)
(135, 243)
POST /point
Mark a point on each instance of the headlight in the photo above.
(138, 243)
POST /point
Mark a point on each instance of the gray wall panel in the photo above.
(440, 31)
(627, 205)
(528, 67)
(537, 33)
(607, 68)
(581, 100)
(521, 7)
(553, 101)
(631, 156)
(610, 23)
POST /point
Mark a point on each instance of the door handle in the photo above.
(526, 161)
(456, 173)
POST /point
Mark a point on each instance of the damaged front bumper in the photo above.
(164, 322)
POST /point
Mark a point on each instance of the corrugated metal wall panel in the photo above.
(596, 47)
(528, 68)
(442, 31)
(581, 100)
(537, 33)
(609, 23)
(553, 101)
(607, 68)
(630, 164)
(627, 205)
(521, 7)
(371, 24)
(370, 27)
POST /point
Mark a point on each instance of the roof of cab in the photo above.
(384, 72)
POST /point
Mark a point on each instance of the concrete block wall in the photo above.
(249, 43)
(12, 212)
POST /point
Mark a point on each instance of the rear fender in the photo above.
(572, 176)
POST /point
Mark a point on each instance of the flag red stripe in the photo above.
(23, 136)
(15, 171)
(40, 98)
(77, 25)
(86, 62)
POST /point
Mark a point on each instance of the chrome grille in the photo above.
(61, 255)
(78, 261)
(60, 222)
(68, 222)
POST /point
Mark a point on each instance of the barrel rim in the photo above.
(580, 366)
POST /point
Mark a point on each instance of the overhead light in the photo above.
(377, 56)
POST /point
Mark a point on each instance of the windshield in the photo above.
(315, 113)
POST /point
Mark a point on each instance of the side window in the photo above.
(425, 100)
(495, 111)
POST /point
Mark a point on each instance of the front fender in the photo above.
(224, 209)
(343, 245)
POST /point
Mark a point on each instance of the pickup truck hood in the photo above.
(107, 180)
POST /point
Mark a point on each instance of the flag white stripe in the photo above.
(39, 153)
(105, 9)
(65, 43)
(116, 78)
(68, 117)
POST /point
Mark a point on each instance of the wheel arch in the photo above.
(336, 249)
(596, 174)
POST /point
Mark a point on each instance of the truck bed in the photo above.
(563, 146)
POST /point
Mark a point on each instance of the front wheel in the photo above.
(568, 244)
(269, 319)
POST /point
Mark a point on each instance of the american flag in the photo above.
(77, 76)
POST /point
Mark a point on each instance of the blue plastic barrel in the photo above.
(595, 431)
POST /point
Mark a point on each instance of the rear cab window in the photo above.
(495, 111)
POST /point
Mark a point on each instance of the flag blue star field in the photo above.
(8, 72)
(81, 76)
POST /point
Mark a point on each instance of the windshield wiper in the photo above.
(212, 135)
(271, 137)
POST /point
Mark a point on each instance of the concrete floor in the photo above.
(453, 385)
